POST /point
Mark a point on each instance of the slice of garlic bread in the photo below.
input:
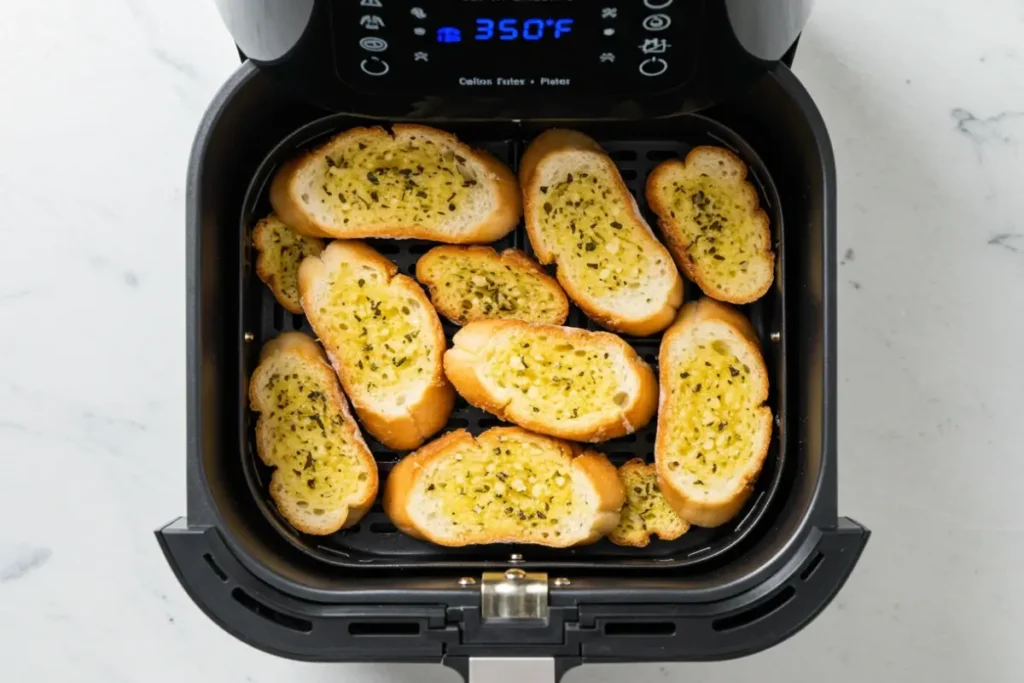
(506, 485)
(281, 250)
(383, 338)
(581, 216)
(324, 478)
(712, 219)
(478, 283)
(411, 181)
(561, 381)
(715, 427)
(646, 511)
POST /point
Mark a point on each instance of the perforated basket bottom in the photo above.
(375, 542)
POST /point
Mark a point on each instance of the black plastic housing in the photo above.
(298, 43)
(260, 587)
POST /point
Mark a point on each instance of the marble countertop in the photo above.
(925, 103)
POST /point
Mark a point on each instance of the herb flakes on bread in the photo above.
(562, 381)
(715, 426)
(506, 485)
(478, 283)
(410, 182)
(383, 338)
(281, 250)
(581, 216)
(325, 478)
(711, 217)
(646, 512)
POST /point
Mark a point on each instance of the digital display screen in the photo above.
(494, 46)
(534, 28)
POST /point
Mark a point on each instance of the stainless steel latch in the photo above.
(514, 594)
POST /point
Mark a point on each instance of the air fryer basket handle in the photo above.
(376, 630)
(512, 670)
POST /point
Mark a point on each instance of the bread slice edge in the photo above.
(354, 510)
(502, 220)
(420, 419)
(716, 510)
(597, 469)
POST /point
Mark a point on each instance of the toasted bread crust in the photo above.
(553, 142)
(661, 204)
(463, 365)
(715, 512)
(301, 345)
(513, 258)
(422, 418)
(285, 199)
(598, 470)
(261, 239)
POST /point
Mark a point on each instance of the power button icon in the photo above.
(653, 66)
(374, 66)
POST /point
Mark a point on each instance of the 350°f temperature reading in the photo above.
(509, 29)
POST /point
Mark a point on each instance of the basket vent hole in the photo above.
(278, 318)
(215, 567)
(488, 422)
(651, 358)
(629, 174)
(387, 246)
(384, 628)
(271, 614)
(661, 154)
(458, 422)
(623, 155)
(650, 436)
(383, 528)
(812, 566)
(756, 613)
(640, 628)
(297, 321)
(420, 248)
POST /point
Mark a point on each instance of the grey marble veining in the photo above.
(925, 103)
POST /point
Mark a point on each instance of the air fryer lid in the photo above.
(530, 58)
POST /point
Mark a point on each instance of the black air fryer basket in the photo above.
(370, 593)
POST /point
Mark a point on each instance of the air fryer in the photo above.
(649, 79)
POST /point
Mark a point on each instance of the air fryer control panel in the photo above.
(499, 47)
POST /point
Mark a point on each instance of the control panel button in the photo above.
(657, 22)
(371, 22)
(655, 46)
(374, 66)
(418, 12)
(370, 3)
(609, 13)
(421, 57)
(657, 4)
(607, 57)
(373, 44)
(653, 66)
(449, 34)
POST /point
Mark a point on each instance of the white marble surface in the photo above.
(925, 103)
